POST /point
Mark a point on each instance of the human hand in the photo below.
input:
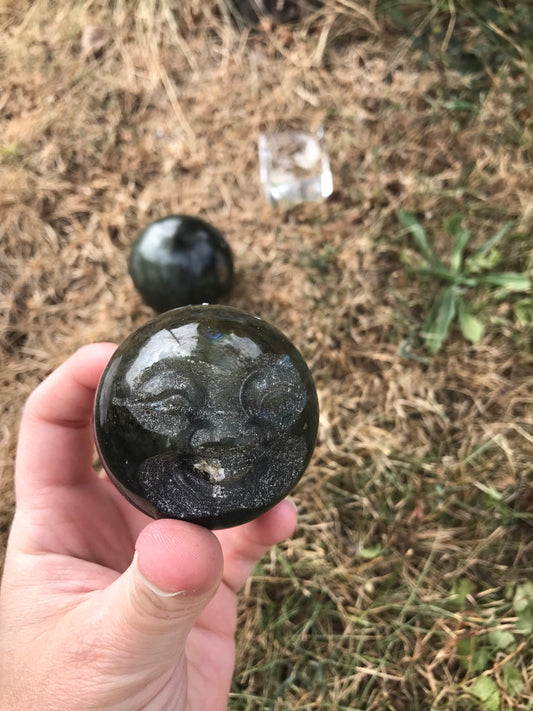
(101, 607)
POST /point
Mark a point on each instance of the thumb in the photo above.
(175, 572)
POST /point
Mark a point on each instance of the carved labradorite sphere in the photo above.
(180, 260)
(206, 414)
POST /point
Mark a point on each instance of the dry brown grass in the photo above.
(422, 474)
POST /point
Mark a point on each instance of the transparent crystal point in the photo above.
(294, 167)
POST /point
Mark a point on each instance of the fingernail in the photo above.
(293, 502)
(149, 584)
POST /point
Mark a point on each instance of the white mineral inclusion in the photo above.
(213, 468)
(217, 491)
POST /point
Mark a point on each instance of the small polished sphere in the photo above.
(206, 414)
(180, 260)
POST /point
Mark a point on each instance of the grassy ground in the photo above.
(408, 583)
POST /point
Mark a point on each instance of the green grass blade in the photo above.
(491, 242)
(453, 224)
(438, 324)
(439, 273)
(462, 237)
(471, 327)
(409, 221)
(523, 311)
(510, 281)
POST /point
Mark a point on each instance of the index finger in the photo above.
(244, 545)
(55, 444)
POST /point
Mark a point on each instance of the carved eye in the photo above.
(166, 401)
(274, 392)
(169, 390)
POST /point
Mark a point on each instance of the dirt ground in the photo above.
(112, 115)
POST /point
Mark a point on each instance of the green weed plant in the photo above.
(456, 280)
(481, 655)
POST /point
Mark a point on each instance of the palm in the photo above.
(90, 534)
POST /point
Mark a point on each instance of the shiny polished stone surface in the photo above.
(206, 414)
(180, 260)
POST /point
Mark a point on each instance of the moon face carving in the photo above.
(206, 414)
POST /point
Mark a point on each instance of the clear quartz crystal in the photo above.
(294, 167)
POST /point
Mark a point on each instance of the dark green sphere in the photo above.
(180, 260)
(206, 414)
